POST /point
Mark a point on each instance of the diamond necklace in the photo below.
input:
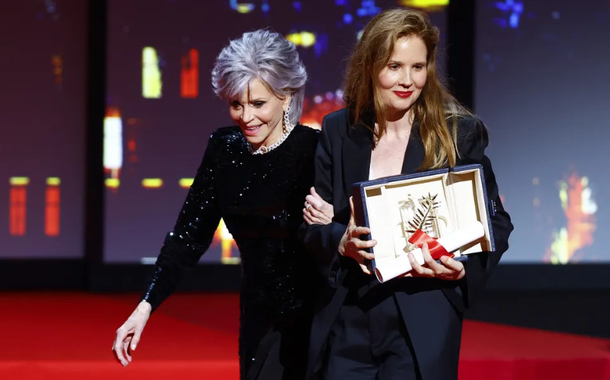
(267, 149)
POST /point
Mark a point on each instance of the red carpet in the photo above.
(69, 336)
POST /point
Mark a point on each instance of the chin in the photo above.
(403, 106)
(254, 141)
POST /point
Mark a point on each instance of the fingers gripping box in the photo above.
(446, 208)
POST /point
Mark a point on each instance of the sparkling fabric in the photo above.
(260, 198)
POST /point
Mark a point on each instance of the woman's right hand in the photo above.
(128, 335)
(352, 246)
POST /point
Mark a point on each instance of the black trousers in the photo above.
(283, 351)
(369, 340)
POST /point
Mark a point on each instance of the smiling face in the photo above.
(401, 81)
(259, 114)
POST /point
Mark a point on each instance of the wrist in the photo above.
(341, 247)
(144, 307)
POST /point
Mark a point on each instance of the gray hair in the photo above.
(264, 55)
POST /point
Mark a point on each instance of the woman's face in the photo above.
(402, 80)
(259, 114)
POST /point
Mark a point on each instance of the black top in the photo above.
(260, 198)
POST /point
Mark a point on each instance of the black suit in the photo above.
(431, 310)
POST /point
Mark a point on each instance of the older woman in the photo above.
(255, 176)
(399, 120)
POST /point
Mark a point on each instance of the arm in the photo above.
(479, 266)
(192, 233)
(190, 238)
(323, 240)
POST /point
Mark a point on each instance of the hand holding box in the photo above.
(392, 268)
(448, 209)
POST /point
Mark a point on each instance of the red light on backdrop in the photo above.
(189, 75)
(18, 205)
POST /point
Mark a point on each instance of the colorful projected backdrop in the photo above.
(42, 129)
(161, 108)
(542, 88)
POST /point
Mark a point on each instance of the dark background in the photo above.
(541, 86)
(538, 86)
(42, 127)
(171, 132)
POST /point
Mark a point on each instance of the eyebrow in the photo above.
(401, 63)
(249, 101)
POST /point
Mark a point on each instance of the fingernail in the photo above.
(133, 346)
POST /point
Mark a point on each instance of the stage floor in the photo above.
(194, 336)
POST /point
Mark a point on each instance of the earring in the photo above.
(286, 124)
(284, 130)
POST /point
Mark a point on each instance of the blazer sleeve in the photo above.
(322, 241)
(192, 233)
(479, 266)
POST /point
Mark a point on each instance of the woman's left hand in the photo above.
(449, 269)
(317, 210)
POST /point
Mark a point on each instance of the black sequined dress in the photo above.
(260, 198)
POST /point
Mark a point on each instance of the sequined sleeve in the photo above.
(192, 234)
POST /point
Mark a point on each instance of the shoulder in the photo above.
(307, 132)
(468, 123)
(336, 119)
(336, 123)
(225, 135)
(304, 137)
(472, 137)
(337, 116)
(303, 140)
(468, 127)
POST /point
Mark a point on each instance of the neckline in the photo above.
(280, 147)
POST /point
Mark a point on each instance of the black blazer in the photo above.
(431, 309)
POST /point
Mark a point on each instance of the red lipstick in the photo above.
(403, 94)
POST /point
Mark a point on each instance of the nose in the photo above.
(405, 79)
(246, 114)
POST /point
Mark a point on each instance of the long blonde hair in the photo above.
(434, 106)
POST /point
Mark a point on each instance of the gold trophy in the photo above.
(425, 218)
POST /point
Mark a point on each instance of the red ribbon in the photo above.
(435, 248)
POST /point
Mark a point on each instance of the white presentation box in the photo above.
(447, 207)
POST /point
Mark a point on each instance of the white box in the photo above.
(449, 205)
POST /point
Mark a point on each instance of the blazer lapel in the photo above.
(414, 155)
(356, 157)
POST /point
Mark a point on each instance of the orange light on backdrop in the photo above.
(579, 208)
(52, 207)
(58, 65)
(223, 237)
